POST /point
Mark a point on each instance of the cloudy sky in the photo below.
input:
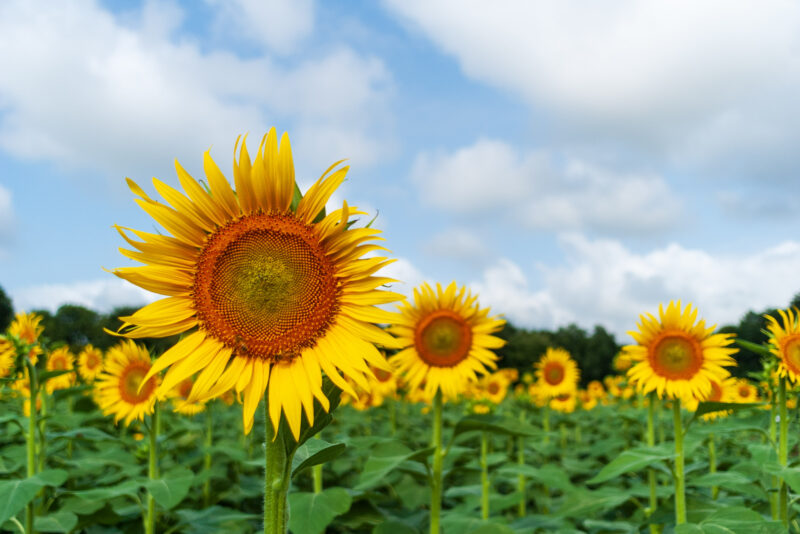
(571, 162)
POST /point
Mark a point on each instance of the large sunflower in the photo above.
(446, 339)
(123, 388)
(277, 291)
(784, 342)
(557, 373)
(677, 356)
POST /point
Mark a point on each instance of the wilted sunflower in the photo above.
(278, 292)
(446, 339)
(784, 342)
(677, 357)
(556, 372)
(8, 354)
(90, 363)
(121, 389)
(61, 359)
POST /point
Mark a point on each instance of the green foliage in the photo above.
(6, 310)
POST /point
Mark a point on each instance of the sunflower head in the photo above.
(60, 359)
(180, 396)
(26, 327)
(277, 289)
(90, 363)
(564, 402)
(446, 340)
(556, 372)
(678, 356)
(596, 389)
(784, 342)
(123, 389)
(8, 356)
(744, 391)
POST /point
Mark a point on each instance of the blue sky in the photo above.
(570, 163)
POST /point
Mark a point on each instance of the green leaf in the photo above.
(384, 459)
(394, 526)
(315, 452)
(589, 503)
(87, 433)
(171, 488)
(753, 347)
(710, 407)
(311, 513)
(321, 419)
(631, 460)
(127, 488)
(494, 424)
(60, 521)
(214, 519)
(15, 494)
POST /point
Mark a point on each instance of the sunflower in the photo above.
(446, 340)
(588, 400)
(564, 402)
(384, 384)
(27, 329)
(123, 388)
(722, 391)
(494, 387)
(784, 342)
(61, 359)
(180, 402)
(90, 363)
(744, 391)
(278, 291)
(596, 389)
(8, 355)
(677, 357)
(557, 372)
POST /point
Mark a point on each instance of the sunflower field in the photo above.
(302, 394)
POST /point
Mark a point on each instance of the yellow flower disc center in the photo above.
(443, 339)
(791, 352)
(381, 375)
(59, 364)
(744, 391)
(130, 379)
(553, 373)
(675, 355)
(92, 361)
(494, 388)
(265, 287)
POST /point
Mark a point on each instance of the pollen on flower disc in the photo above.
(265, 287)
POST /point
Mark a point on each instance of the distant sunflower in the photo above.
(744, 391)
(90, 363)
(784, 342)
(122, 389)
(556, 372)
(278, 292)
(180, 402)
(446, 340)
(596, 389)
(61, 359)
(8, 355)
(495, 387)
(27, 328)
(676, 356)
(564, 402)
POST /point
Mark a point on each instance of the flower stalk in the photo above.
(783, 452)
(436, 475)
(521, 482)
(30, 440)
(152, 471)
(680, 491)
(651, 473)
(712, 463)
(484, 475)
(209, 441)
(277, 476)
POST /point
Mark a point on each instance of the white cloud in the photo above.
(692, 79)
(7, 220)
(542, 193)
(456, 243)
(408, 275)
(98, 295)
(605, 283)
(276, 24)
(126, 98)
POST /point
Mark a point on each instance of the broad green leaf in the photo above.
(214, 519)
(493, 424)
(724, 478)
(311, 513)
(630, 460)
(171, 488)
(315, 452)
(384, 459)
(60, 521)
(15, 494)
(88, 434)
(127, 488)
(753, 347)
(393, 526)
(583, 503)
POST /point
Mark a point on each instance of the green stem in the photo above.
(393, 416)
(42, 431)
(30, 439)
(521, 482)
(680, 492)
(712, 463)
(546, 424)
(651, 473)
(484, 476)
(773, 438)
(316, 472)
(209, 441)
(436, 476)
(783, 452)
(562, 427)
(152, 472)
(277, 476)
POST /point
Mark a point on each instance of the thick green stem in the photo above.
(277, 476)
(152, 471)
(680, 491)
(316, 472)
(712, 463)
(521, 482)
(30, 439)
(209, 441)
(783, 452)
(484, 476)
(436, 475)
(773, 438)
(651, 473)
(42, 421)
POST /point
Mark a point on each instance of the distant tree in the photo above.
(6, 310)
(600, 351)
(795, 303)
(76, 325)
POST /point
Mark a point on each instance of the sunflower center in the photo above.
(676, 355)
(494, 388)
(59, 364)
(185, 388)
(265, 287)
(716, 392)
(381, 375)
(443, 339)
(791, 353)
(553, 373)
(130, 379)
(744, 391)
(92, 361)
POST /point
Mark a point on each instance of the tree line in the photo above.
(594, 352)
